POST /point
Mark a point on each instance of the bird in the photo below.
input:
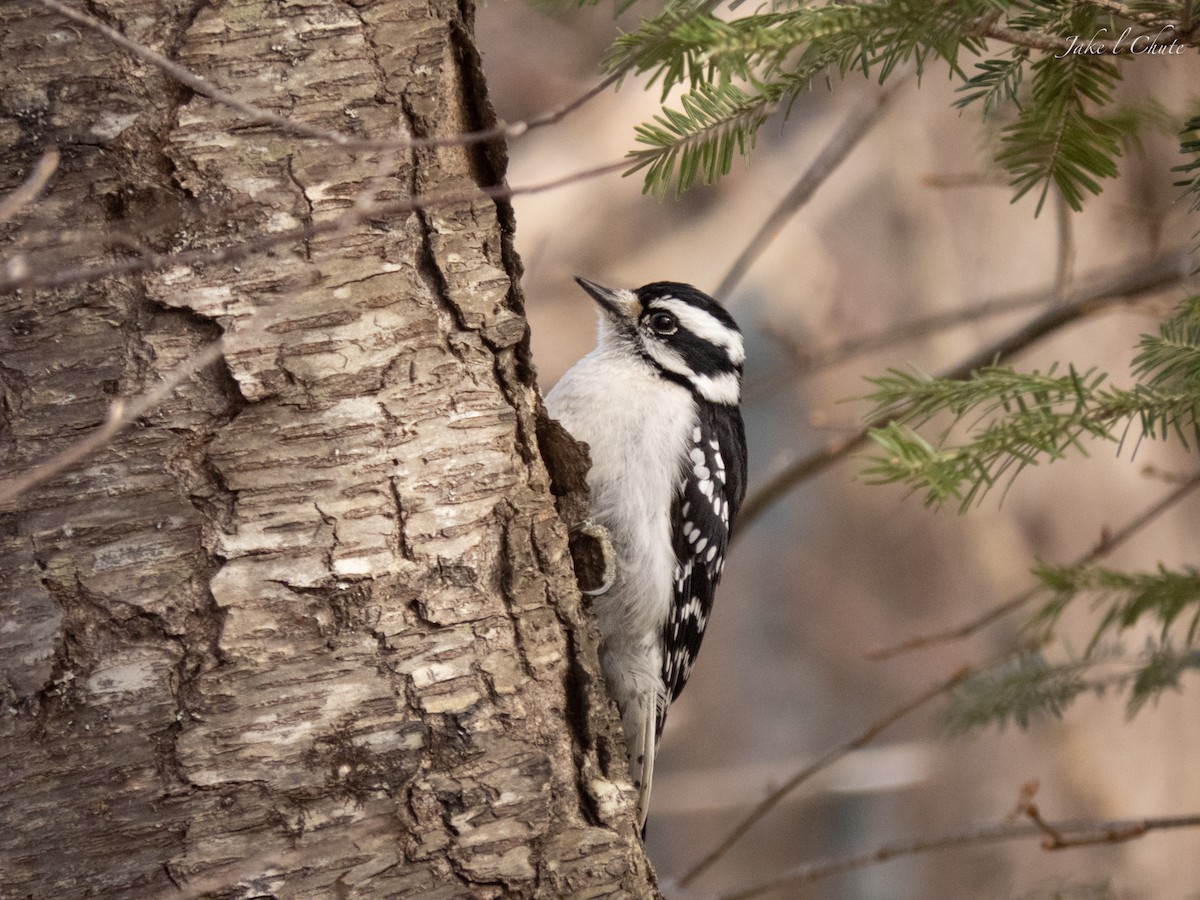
(657, 401)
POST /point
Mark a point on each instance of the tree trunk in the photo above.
(310, 628)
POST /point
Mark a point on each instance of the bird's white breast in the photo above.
(638, 426)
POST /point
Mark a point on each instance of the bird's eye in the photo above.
(664, 323)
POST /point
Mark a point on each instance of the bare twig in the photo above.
(844, 140)
(1120, 9)
(1075, 832)
(29, 189)
(1054, 839)
(825, 761)
(74, 239)
(954, 180)
(121, 414)
(804, 361)
(1082, 301)
(1065, 258)
(338, 138)
(1108, 542)
(356, 215)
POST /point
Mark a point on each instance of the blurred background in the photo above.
(915, 222)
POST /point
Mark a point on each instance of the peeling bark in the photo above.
(311, 630)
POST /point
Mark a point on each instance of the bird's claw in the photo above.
(608, 562)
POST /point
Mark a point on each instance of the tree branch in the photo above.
(18, 274)
(121, 414)
(832, 155)
(805, 361)
(27, 191)
(1098, 293)
(829, 758)
(1120, 9)
(341, 139)
(1074, 832)
(1109, 541)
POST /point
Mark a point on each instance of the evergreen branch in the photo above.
(1163, 595)
(1109, 541)
(669, 46)
(1163, 669)
(1055, 140)
(1191, 170)
(1021, 690)
(825, 761)
(1029, 687)
(698, 140)
(1060, 137)
(1173, 357)
(1037, 416)
(778, 54)
(917, 396)
(1169, 363)
(996, 81)
(1029, 417)
(1085, 299)
(684, 45)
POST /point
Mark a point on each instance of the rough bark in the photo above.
(311, 629)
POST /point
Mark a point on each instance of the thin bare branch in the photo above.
(1108, 542)
(1074, 832)
(804, 360)
(356, 215)
(121, 414)
(832, 155)
(257, 114)
(861, 740)
(1120, 9)
(31, 187)
(1096, 294)
(957, 180)
(1065, 252)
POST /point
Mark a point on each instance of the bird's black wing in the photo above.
(711, 490)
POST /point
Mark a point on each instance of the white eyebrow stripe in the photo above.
(705, 326)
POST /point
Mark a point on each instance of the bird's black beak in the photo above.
(619, 303)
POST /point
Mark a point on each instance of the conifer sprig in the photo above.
(1020, 691)
(1063, 135)
(1014, 419)
(1190, 146)
(1128, 598)
(773, 57)
(1055, 140)
(1030, 687)
(697, 142)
